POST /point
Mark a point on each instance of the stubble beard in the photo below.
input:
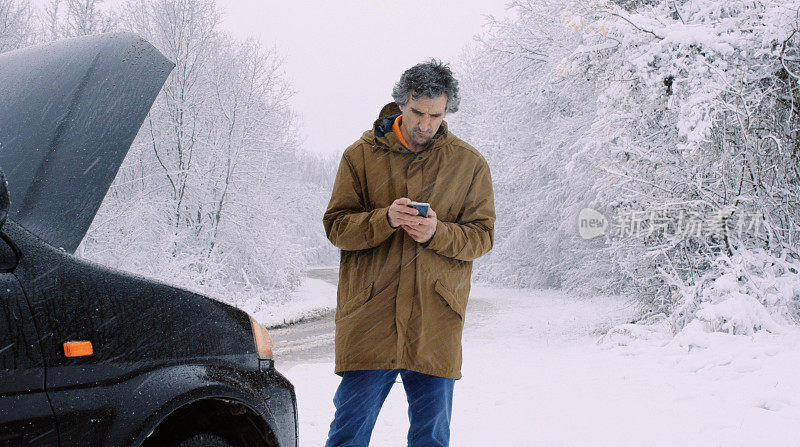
(420, 141)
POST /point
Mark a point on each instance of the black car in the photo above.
(90, 355)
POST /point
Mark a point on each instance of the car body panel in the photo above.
(26, 417)
(155, 346)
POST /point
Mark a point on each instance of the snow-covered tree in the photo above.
(526, 112)
(72, 18)
(16, 19)
(685, 135)
(698, 118)
(211, 195)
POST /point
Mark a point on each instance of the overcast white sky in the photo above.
(344, 56)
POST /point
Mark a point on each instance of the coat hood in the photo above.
(382, 136)
(69, 111)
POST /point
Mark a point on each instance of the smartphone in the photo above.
(422, 207)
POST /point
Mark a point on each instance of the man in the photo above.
(404, 279)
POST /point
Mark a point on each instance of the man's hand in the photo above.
(423, 232)
(401, 214)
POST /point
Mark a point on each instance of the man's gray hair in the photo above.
(429, 80)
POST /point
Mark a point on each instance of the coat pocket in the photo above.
(354, 302)
(456, 303)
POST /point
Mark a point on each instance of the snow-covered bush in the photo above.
(743, 293)
(683, 114)
(697, 115)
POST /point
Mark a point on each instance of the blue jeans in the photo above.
(361, 394)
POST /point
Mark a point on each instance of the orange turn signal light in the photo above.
(78, 348)
(263, 341)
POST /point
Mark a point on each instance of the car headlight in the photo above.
(263, 341)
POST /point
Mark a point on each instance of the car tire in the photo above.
(205, 440)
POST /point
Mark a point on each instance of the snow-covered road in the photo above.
(534, 375)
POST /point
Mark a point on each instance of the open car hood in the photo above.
(69, 111)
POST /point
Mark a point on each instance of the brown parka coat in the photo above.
(401, 304)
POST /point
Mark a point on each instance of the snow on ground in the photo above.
(315, 297)
(534, 374)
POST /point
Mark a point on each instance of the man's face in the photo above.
(421, 119)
